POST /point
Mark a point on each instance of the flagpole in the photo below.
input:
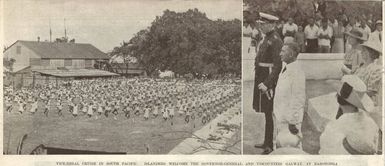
(50, 31)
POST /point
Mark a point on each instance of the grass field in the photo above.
(133, 135)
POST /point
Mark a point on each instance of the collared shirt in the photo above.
(292, 28)
(328, 31)
(289, 100)
(311, 32)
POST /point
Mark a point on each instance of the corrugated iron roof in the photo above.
(76, 72)
(55, 50)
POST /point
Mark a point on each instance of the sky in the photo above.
(103, 23)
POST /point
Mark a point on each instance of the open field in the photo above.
(106, 134)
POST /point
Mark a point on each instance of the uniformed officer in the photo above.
(267, 68)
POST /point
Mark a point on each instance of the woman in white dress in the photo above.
(146, 112)
(156, 111)
(75, 110)
(21, 106)
(100, 108)
(90, 110)
(165, 112)
(84, 108)
(171, 111)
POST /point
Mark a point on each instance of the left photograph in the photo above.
(133, 77)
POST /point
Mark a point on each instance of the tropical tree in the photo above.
(187, 42)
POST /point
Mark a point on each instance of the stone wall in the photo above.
(315, 65)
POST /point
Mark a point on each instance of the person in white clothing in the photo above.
(311, 31)
(289, 99)
(90, 110)
(325, 33)
(376, 35)
(354, 131)
(34, 106)
(289, 31)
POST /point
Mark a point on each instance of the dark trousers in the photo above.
(312, 45)
(269, 129)
(262, 104)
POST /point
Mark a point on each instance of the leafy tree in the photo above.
(187, 42)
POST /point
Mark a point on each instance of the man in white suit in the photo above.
(289, 100)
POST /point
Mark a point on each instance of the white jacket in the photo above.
(290, 95)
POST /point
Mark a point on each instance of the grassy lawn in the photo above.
(133, 135)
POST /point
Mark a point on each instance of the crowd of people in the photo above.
(320, 33)
(279, 85)
(123, 97)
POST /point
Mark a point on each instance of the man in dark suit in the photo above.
(267, 68)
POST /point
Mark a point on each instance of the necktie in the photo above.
(284, 69)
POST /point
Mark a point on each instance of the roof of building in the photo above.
(17, 68)
(56, 50)
(76, 72)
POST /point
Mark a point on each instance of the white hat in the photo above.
(353, 90)
(287, 139)
(362, 138)
(376, 46)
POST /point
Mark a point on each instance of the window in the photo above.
(88, 63)
(67, 62)
(18, 49)
(45, 62)
(35, 61)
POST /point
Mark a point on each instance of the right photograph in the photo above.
(312, 77)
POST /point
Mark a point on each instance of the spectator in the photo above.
(348, 28)
(353, 132)
(325, 34)
(370, 72)
(365, 27)
(338, 33)
(353, 58)
(333, 23)
(315, 6)
(300, 39)
(370, 22)
(322, 7)
(376, 35)
(289, 30)
(318, 18)
(311, 31)
(280, 28)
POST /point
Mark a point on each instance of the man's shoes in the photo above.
(267, 150)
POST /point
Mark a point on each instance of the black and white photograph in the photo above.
(122, 77)
(312, 77)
